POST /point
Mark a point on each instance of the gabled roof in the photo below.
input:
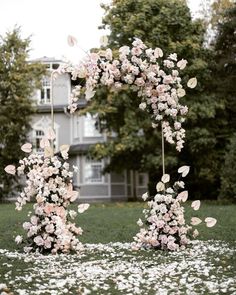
(45, 59)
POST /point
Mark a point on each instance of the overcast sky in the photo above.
(49, 22)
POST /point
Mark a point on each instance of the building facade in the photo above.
(80, 133)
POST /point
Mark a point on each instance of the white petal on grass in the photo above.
(83, 207)
(184, 170)
(165, 178)
(139, 222)
(27, 147)
(104, 41)
(195, 233)
(89, 93)
(183, 196)
(71, 40)
(181, 92)
(18, 239)
(160, 186)
(210, 221)
(196, 204)
(192, 83)
(195, 221)
(10, 169)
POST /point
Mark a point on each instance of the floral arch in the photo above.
(158, 83)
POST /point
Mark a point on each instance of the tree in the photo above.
(224, 80)
(18, 80)
(213, 11)
(165, 24)
(228, 173)
(212, 14)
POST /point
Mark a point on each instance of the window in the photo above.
(55, 66)
(89, 127)
(39, 130)
(39, 134)
(142, 179)
(45, 91)
(76, 122)
(93, 171)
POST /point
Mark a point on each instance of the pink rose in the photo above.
(164, 239)
(49, 208)
(39, 241)
(60, 211)
(172, 246)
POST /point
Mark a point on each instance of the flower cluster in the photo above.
(155, 79)
(49, 183)
(165, 223)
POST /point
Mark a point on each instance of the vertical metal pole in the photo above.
(52, 111)
(162, 149)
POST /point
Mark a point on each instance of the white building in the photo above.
(80, 132)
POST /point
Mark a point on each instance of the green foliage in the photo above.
(115, 222)
(18, 80)
(228, 172)
(225, 66)
(223, 83)
(165, 24)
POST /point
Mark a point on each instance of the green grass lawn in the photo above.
(116, 222)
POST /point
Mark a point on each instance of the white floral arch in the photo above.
(158, 84)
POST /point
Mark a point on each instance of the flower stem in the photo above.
(163, 149)
(52, 111)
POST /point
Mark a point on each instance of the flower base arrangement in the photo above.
(165, 227)
(49, 184)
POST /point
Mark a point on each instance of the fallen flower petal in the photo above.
(184, 170)
(165, 178)
(10, 169)
(183, 196)
(27, 148)
(192, 83)
(210, 221)
(83, 207)
(71, 40)
(196, 205)
(195, 220)
(195, 233)
(160, 186)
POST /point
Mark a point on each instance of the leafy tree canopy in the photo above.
(165, 24)
(19, 78)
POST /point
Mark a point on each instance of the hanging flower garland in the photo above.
(165, 227)
(49, 183)
(155, 79)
